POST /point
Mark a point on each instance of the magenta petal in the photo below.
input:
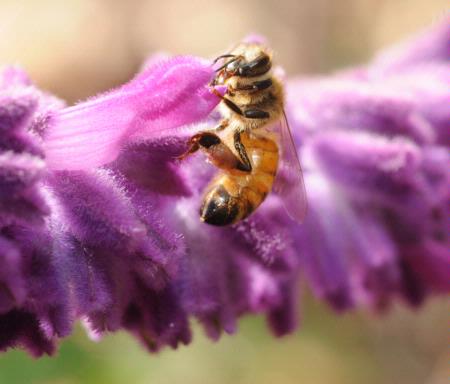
(162, 97)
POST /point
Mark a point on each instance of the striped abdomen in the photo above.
(233, 195)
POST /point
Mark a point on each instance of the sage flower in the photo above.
(99, 220)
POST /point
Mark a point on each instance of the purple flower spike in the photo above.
(21, 162)
(378, 138)
(428, 47)
(370, 167)
(164, 96)
(99, 221)
(12, 288)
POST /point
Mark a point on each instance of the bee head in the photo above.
(246, 60)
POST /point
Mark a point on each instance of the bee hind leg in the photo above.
(204, 139)
(199, 140)
(245, 164)
(218, 152)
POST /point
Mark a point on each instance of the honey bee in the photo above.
(252, 145)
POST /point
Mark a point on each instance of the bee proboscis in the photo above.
(252, 145)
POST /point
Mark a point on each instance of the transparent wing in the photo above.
(289, 180)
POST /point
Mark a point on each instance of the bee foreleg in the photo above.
(245, 164)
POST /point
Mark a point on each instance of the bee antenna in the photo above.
(228, 62)
(223, 57)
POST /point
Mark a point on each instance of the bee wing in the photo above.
(289, 179)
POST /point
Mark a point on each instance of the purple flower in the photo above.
(99, 221)
(375, 148)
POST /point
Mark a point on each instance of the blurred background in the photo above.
(76, 48)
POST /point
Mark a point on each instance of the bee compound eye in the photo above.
(256, 67)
